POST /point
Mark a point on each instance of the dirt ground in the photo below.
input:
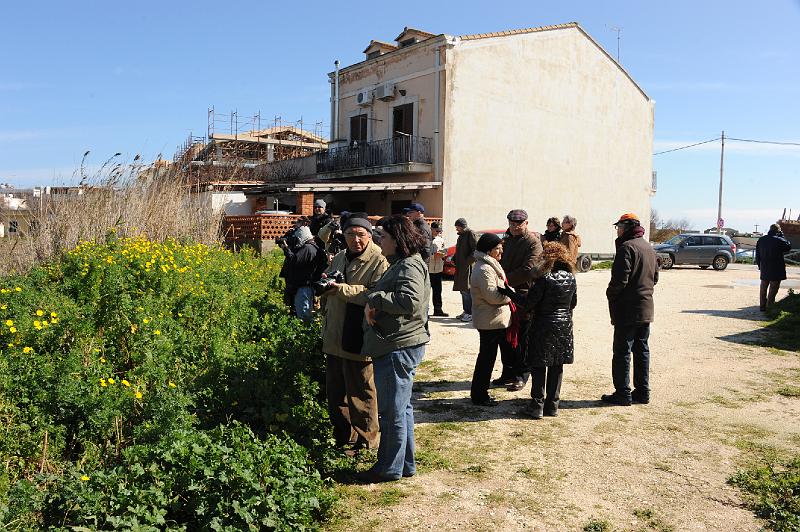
(715, 404)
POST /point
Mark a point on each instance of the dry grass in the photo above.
(131, 199)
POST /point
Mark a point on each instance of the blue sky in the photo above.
(139, 77)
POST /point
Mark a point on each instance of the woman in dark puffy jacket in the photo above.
(550, 343)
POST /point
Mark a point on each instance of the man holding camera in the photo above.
(303, 265)
(350, 385)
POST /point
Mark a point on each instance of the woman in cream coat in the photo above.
(491, 314)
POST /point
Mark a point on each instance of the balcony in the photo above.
(399, 155)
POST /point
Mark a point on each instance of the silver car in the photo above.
(703, 250)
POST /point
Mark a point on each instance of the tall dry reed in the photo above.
(133, 200)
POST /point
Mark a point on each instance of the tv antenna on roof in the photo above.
(618, 30)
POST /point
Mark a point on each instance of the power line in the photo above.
(688, 146)
(766, 142)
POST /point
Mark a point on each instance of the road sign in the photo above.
(720, 223)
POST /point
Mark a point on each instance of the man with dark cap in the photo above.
(634, 275)
(349, 376)
(770, 249)
(416, 213)
(320, 218)
(522, 253)
(436, 268)
(463, 259)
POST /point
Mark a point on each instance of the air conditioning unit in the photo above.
(386, 92)
(364, 97)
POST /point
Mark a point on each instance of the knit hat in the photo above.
(436, 225)
(358, 219)
(487, 242)
(303, 234)
(319, 203)
(461, 222)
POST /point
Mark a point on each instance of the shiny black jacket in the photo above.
(551, 299)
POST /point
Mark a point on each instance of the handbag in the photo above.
(352, 329)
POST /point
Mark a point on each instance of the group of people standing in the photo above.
(518, 289)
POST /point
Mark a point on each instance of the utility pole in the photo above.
(719, 205)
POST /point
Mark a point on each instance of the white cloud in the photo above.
(17, 136)
(9, 86)
(688, 86)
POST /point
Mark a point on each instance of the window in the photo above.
(694, 241)
(403, 120)
(13, 226)
(408, 42)
(358, 206)
(358, 129)
(376, 53)
(712, 241)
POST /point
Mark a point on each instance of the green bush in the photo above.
(785, 316)
(773, 493)
(108, 353)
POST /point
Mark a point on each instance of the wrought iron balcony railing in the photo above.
(397, 150)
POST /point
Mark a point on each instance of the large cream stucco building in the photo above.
(472, 126)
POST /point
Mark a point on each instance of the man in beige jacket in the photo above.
(350, 385)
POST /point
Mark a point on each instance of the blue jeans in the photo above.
(627, 339)
(304, 302)
(466, 302)
(394, 377)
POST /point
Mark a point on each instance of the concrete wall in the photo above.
(413, 70)
(549, 123)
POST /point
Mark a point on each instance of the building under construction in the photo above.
(237, 149)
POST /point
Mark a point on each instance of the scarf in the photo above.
(630, 234)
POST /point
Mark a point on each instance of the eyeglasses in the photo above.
(350, 234)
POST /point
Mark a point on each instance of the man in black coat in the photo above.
(320, 218)
(770, 249)
(634, 275)
(416, 213)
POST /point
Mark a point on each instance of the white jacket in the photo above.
(490, 308)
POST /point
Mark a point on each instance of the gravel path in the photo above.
(661, 466)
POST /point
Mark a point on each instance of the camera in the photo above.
(325, 283)
(334, 226)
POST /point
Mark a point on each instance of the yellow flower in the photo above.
(12, 329)
(3, 307)
(54, 320)
(110, 380)
(138, 395)
(37, 324)
(40, 312)
(157, 332)
(146, 321)
(27, 350)
(9, 322)
(172, 384)
(10, 344)
(18, 289)
(126, 383)
(103, 383)
(103, 360)
(53, 315)
(84, 478)
(133, 329)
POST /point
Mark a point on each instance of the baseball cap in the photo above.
(419, 207)
(627, 217)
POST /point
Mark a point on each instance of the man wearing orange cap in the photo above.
(634, 275)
